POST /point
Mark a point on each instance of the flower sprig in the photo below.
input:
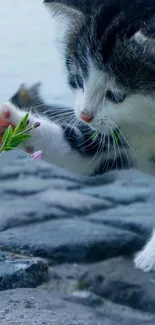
(116, 135)
(95, 135)
(12, 138)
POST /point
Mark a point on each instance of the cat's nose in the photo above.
(86, 118)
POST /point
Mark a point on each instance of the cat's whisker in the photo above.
(83, 145)
(55, 113)
(105, 138)
(117, 146)
(114, 147)
(96, 154)
(128, 144)
(62, 118)
(107, 144)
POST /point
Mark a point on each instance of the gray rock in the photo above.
(33, 184)
(38, 307)
(139, 218)
(47, 205)
(73, 202)
(119, 193)
(16, 211)
(135, 177)
(25, 186)
(117, 281)
(23, 167)
(64, 184)
(18, 272)
(85, 297)
(71, 240)
(25, 306)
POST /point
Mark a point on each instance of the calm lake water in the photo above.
(28, 51)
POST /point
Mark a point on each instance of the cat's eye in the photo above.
(79, 82)
(115, 97)
(76, 82)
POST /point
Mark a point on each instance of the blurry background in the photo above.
(28, 52)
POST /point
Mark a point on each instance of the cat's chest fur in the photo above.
(143, 150)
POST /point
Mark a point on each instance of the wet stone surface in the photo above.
(72, 240)
(17, 271)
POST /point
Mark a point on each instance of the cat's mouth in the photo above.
(98, 125)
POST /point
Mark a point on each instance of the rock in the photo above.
(135, 177)
(28, 306)
(18, 272)
(71, 240)
(63, 279)
(23, 167)
(85, 297)
(38, 307)
(47, 205)
(119, 193)
(41, 216)
(64, 184)
(73, 202)
(33, 185)
(117, 281)
(139, 218)
(25, 186)
(15, 212)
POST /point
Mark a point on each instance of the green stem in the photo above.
(2, 147)
(25, 131)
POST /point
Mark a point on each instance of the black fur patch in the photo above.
(82, 139)
(106, 35)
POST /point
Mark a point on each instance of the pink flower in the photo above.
(36, 124)
(37, 155)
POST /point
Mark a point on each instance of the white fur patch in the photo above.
(145, 260)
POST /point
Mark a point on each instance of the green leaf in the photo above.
(17, 139)
(7, 136)
(116, 136)
(7, 149)
(95, 135)
(13, 138)
(21, 126)
(21, 136)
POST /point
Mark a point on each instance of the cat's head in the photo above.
(111, 63)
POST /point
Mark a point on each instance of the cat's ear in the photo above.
(67, 15)
(122, 22)
(148, 28)
(141, 17)
(31, 92)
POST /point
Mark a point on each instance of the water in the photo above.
(28, 51)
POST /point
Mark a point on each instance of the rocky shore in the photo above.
(66, 247)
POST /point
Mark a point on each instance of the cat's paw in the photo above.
(145, 260)
(9, 114)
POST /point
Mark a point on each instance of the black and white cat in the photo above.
(111, 68)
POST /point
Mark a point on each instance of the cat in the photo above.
(110, 60)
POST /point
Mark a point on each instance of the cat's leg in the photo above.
(67, 147)
(145, 259)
